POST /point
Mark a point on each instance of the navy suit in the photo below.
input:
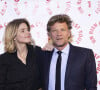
(80, 70)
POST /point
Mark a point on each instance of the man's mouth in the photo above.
(59, 38)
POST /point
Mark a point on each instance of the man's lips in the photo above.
(59, 38)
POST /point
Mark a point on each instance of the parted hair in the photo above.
(10, 34)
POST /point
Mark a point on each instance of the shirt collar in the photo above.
(65, 50)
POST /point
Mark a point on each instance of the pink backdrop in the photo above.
(84, 13)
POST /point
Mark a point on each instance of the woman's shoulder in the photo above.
(36, 48)
(4, 57)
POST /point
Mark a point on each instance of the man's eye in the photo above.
(62, 29)
(54, 30)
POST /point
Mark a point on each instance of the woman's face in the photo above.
(23, 35)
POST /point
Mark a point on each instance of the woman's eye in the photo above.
(28, 30)
(22, 30)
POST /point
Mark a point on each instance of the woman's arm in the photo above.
(3, 73)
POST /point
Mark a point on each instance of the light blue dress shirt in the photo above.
(52, 71)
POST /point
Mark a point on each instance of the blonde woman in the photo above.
(18, 66)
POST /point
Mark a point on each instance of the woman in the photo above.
(18, 66)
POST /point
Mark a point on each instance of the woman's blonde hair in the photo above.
(10, 34)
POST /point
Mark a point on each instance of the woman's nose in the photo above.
(28, 31)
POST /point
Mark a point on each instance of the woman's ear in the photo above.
(14, 39)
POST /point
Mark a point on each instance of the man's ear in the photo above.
(48, 34)
(69, 33)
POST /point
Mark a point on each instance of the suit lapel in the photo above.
(71, 57)
(48, 60)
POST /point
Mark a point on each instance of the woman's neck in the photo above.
(22, 53)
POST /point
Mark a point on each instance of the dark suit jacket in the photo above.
(80, 70)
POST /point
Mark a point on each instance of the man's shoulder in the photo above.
(80, 49)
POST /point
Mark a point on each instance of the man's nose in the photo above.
(59, 32)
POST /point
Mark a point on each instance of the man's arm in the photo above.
(91, 75)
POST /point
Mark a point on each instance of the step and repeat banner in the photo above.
(85, 15)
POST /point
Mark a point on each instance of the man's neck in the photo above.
(61, 48)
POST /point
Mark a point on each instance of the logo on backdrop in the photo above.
(3, 7)
(77, 33)
(57, 8)
(94, 32)
(68, 7)
(90, 7)
(97, 11)
(16, 0)
(19, 7)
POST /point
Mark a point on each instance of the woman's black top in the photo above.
(14, 75)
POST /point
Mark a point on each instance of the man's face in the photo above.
(59, 34)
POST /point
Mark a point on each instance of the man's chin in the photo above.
(60, 45)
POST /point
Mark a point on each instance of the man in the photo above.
(77, 69)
